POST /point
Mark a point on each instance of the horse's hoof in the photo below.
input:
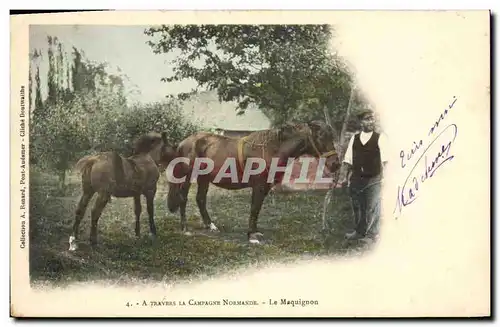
(254, 239)
(213, 228)
(72, 244)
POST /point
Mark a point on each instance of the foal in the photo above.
(110, 174)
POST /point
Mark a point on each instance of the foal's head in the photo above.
(157, 146)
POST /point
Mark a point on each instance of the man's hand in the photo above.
(345, 173)
(345, 183)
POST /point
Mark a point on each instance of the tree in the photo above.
(66, 124)
(51, 78)
(286, 70)
(38, 110)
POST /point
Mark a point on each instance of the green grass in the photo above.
(291, 225)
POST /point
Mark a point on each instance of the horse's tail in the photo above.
(118, 168)
(174, 197)
(85, 163)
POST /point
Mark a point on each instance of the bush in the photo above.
(154, 117)
(58, 139)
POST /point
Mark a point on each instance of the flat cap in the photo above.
(363, 112)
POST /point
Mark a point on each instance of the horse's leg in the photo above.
(137, 210)
(201, 201)
(150, 196)
(80, 212)
(100, 203)
(259, 193)
(184, 190)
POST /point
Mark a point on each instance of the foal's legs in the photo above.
(100, 203)
(201, 201)
(137, 210)
(259, 193)
(80, 212)
(150, 196)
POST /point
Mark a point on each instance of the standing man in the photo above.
(365, 161)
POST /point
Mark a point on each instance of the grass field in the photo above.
(291, 225)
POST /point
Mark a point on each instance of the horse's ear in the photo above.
(315, 125)
(164, 137)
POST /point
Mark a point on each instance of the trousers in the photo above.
(365, 199)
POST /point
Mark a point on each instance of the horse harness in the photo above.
(135, 167)
(240, 151)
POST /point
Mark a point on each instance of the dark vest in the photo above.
(366, 158)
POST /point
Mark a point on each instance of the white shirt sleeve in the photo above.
(382, 145)
(348, 152)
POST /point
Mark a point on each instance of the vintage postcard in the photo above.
(250, 164)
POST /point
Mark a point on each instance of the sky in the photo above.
(125, 46)
(122, 46)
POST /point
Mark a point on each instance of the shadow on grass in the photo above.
(291, 224)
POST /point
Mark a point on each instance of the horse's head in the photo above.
(322, 142)
(158, 147)
(168, 153)
(315, 138)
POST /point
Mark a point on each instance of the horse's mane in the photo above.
(146, 142)
(276, 134)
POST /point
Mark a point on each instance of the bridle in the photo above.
(324, 155)
(320, 155)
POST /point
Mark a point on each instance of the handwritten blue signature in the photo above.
(438, 151)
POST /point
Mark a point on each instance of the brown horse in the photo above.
(279, 145)
(109, 174)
